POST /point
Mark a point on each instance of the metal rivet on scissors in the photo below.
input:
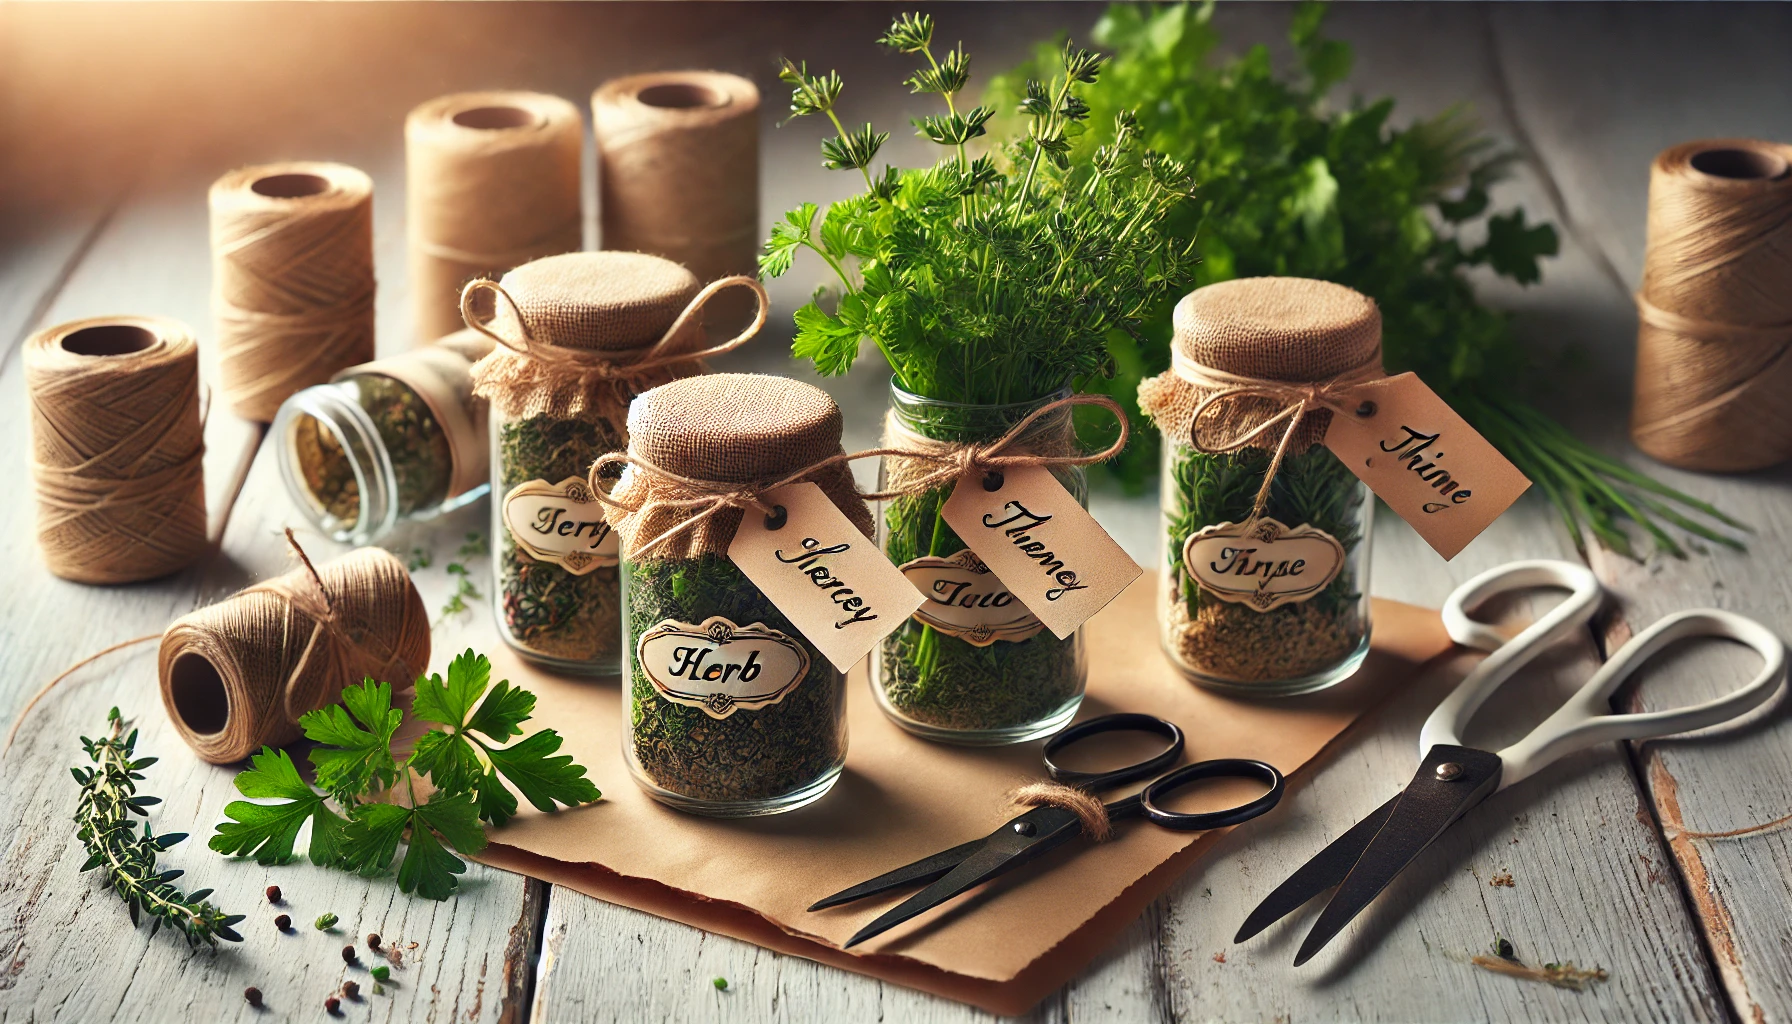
(1031, 835)
(1454, 778)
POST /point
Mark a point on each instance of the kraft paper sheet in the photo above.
(1003, 947)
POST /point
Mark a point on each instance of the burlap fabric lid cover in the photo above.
(616, 303)
(727, 428)
(1275, 328)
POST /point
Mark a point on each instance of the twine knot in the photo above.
(954, 460)
(1088, 809)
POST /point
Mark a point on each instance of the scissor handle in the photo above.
(1125, 721)
(1201, 821)
(1448, 721)
(1587, 718)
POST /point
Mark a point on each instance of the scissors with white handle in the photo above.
(1453, 777)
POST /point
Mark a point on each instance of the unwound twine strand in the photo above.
(598, 365)
(1714, 339)
(117, 448)
(1300, 398)
(44, 690)
(953, 461)
(1088, 809)
(293, 280)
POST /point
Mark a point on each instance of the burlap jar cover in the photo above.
(1259, 365)
(578, 336)
(704, 452)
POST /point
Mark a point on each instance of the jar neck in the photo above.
(970, 422)
(343, 445)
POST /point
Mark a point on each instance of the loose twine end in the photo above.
(1088, 809)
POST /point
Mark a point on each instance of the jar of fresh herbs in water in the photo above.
(1265, 583)
(386, 442)
(579, 335)
(973, 665)
(731, 711)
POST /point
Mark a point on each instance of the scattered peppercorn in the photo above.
(381, 973)
(721, 984)
(332, 1006)
(1502, 947)
(325, 922)
(348, 954)
(350, 990)
(273, 894)
(373, 940)
(283, 922)
(253, 994)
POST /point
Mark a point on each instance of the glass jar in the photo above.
(1282, 608)
(972, 666)
(710, 754)
(394, 440)
(560, 606)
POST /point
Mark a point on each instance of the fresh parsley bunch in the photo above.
(986, 279)
(462, 757)
(1290, 186)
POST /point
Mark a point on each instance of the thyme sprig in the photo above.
(128, 858)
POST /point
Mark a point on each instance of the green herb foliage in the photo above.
(750, 755)
(422, 465)
(127, 858)
(988, 279)
(1292, 187)
(355, 764)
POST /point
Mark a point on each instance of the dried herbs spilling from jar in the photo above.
(989, 286)
(392, 440)
(746, 756)
(1265, 584)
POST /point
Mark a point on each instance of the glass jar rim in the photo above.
(908, 399)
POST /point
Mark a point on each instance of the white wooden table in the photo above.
(116, 120)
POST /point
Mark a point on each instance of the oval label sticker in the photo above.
(561, 523)
(719, 666)
(965, 600)
(1271, 567)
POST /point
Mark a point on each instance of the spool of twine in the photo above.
(292, 279)
(1714, 339)
(678, 174)
(117, 448)
(239, 674)
(492, 182)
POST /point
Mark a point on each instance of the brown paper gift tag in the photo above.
(1041, 543)
(828, 579)
(1006, 945)
(1425, 461)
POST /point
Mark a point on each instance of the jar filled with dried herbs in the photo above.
(389, 441)
(1265, 588)
(579, 335)
(991, 285)
(731, 711)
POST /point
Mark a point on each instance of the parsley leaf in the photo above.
(541, 778)
(357, 759)
(267, 832)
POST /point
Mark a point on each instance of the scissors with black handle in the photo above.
(1452, 777)
(1042, 829)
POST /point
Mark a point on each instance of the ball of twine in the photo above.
(491, 182)
(1714, 340)
(238, 675)
(117, 448)
(292, 279)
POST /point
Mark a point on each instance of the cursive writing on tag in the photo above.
(826, 576)
(719, 666)
(965, 600)
(560, 523)
(1041, 543)
(1267, 567)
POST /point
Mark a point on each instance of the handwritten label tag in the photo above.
(1044, 547)
(1270, 567)
(965, 600)
(561, 523)
(829, 579)
(1425, 461)
(719, 666)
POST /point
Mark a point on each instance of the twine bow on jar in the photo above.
(952, 460)
(708, 496)
(1337, 394)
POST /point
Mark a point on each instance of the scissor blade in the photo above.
(924, 870)
(1432, 801)
(1327, 868)
(1004, 850)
